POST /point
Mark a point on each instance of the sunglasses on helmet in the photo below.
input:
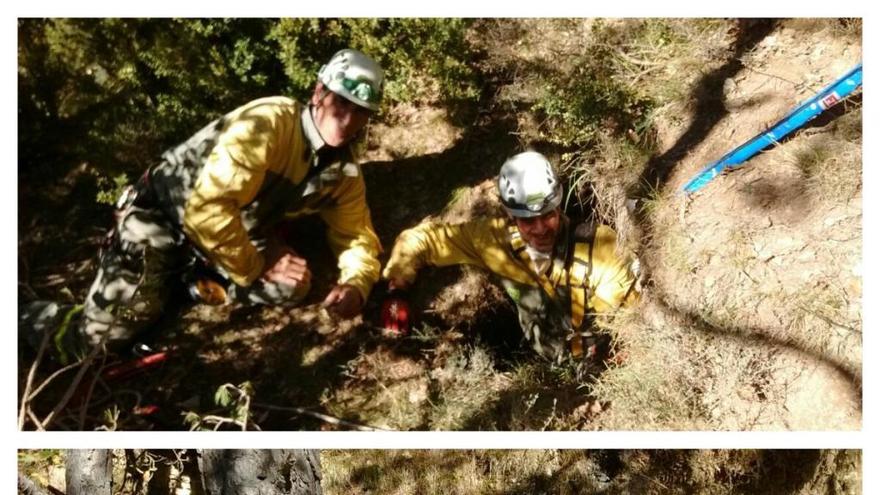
(361, 89)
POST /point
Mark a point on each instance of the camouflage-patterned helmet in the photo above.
(354, 76)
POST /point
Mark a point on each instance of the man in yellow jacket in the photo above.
(556, 273)
(221, 194)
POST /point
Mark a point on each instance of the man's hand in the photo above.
(285, 266)
(344, 300)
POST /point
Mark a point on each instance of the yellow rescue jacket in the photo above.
(242, 173)
(598, 278)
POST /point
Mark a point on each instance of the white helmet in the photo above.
(354, 76)
(527, 185)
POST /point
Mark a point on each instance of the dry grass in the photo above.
(408, 131)
(449, 387)
(562, 472)
(657, 387)
(458, 472)
(391, 392)
(606, 173)
(464, 386)
(831, 162)
(575, 471)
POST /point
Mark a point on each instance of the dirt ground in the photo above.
(763, 267)
(773, 251)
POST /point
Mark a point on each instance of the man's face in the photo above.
(338, 120)
(540, 232)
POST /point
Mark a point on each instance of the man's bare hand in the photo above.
(344, 301)
(285, 266)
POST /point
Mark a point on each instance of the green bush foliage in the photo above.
(114, 93)
(425, 60)
(591, 96)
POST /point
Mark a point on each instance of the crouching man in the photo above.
(219, 197)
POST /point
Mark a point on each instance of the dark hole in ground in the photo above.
(610, 462)
(496, 329)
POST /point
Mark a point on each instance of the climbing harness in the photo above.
(576, 273)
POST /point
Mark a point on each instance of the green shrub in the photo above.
(591, 96)
(114, 93)
(425, 60)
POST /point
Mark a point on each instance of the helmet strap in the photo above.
(323, 94)
(319, 92)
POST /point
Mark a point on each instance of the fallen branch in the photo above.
(86, 362)
(25, 398)
(652, 480)
(49, 380)
(33, 417)
(220, 421)
(829, 320)
(635, 61)
(84, 366)
(322, 417)
(84, 407)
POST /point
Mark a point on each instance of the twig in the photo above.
(49, 380)
(322, 417)
(829, 320)
(27, 288)
(247, 406)
(774, 76)
(652, 480)
(138, 397)
(220, 421)
(73, 386)
(33, 417)
(25, 398)
(635, 61)
(744, 272)
(108, 395)
(85, 405)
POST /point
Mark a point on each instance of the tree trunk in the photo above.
(88, 472)
(261, 472)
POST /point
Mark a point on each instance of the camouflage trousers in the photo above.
(144, 259)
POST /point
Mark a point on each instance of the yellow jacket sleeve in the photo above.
(484, 244)
(351, 236)
(230, 179)
(472, 243)
(611, 281)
